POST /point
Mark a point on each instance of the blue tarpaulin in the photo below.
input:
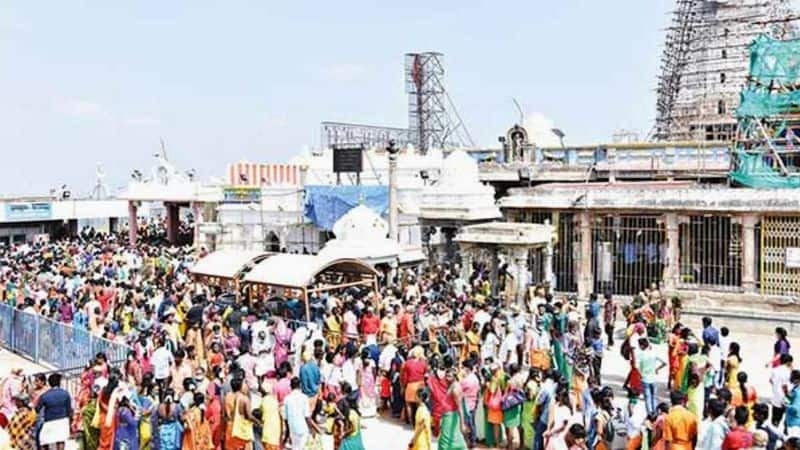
(326, 204)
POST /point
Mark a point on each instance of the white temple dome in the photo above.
(360, 224)
(459, 169)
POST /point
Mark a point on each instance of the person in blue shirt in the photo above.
(793, 405)
(55, 407)
(310, 376)
(710, 334)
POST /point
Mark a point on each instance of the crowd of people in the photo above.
(436, 350)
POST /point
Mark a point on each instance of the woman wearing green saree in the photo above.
(352, 433)
(90, 434)
(446, 392)
(529, 408)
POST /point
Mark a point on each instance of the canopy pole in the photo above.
(377, 292)
(236, 288)
(308, 308)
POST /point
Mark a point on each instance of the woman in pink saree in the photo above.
(11, 387)
(283, 338)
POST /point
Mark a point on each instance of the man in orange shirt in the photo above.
(680, 426)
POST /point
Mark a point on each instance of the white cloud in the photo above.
(540, 130)
(347, 72)
(78, 108)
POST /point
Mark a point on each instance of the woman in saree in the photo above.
(493, 412)
(412, 376)
(447, 392)
(351, 439)
(633, 383)
(559, 357)
(333, 328)
(107, 412)
(197, 434)
(146, 405)
(283, 338)
(673, 342)
(421, 440)
(680, 379)
(368, 397)
(529, 408)
(214, 414)
(472, 341)
(126, 436)
(512, 417)
(90, 435)
(170, 429)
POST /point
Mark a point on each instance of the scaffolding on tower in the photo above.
(704, 64)
(433, 119)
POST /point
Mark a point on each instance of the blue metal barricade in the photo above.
(52, 343)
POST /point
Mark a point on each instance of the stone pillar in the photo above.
(197, 213)
(672, 271)
(521, 277)
(749, 222)
(393, 272)
(133, 223)
(172, 222)
(426, 232)
(466, 261)
(449, 244)
(495, 268)
(585, 279)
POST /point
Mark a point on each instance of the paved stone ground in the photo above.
(389, 434)
(10, 361)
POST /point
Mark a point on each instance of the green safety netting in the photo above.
(773, 64)
(755, 172)
(758, 102)
(775, 60)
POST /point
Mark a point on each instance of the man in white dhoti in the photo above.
(55, 406)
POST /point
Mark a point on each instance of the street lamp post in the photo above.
(392, 150)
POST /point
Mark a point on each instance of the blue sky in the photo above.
(98, 81)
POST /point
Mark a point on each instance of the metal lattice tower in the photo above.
(705, 64)
(433, 120)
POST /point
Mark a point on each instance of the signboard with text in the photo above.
(792, 260)
(26, 211)
(348, 158)
(241, 194)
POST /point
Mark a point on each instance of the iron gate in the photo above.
(629, 253)
(780, 245)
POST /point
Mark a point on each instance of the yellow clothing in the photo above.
(422, 425)
(270, 414)
(334, 333)
(732, 370)
(680, 428)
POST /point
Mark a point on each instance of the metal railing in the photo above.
(51, 343)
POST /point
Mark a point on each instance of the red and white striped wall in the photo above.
(259, 174)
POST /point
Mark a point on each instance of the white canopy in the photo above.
(226, 263)
(298, 271)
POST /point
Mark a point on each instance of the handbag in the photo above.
(242, 428)
(96, 417)
(512, 400)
